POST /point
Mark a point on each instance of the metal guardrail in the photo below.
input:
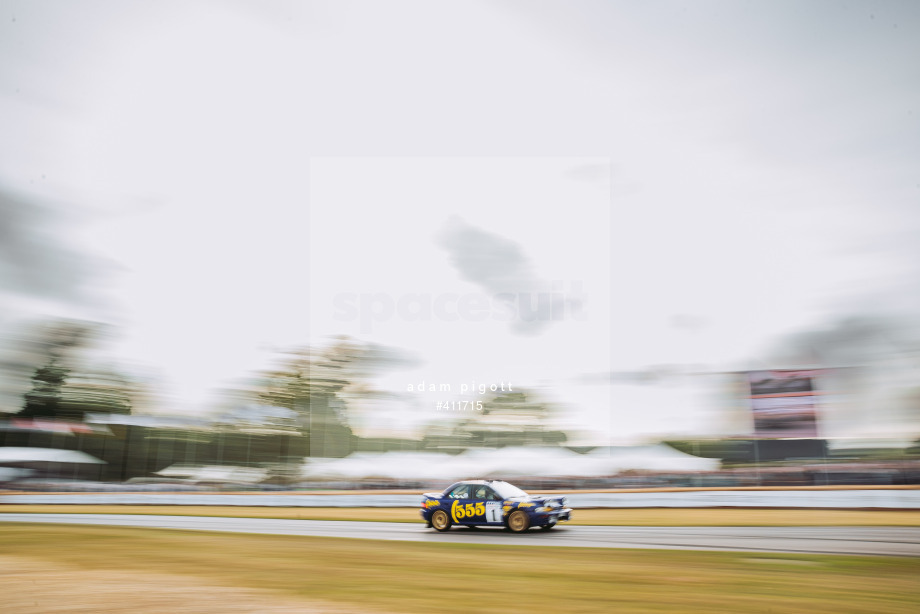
(840, 499)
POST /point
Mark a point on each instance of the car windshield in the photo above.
(507, 491)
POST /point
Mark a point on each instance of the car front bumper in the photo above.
(559, 515)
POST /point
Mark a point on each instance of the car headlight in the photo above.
(548, 506)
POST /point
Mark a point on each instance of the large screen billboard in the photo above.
(784, 403)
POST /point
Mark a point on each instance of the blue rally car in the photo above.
(492, 503)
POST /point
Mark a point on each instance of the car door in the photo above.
(487, 505)
(461, 507)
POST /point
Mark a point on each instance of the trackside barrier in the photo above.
(842, 499)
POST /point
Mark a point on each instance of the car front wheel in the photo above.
(518, 521)
(440, 520)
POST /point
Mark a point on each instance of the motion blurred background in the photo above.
(312, 244)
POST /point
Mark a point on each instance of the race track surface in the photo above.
(896, 541)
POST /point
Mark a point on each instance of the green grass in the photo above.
(604, 517)
(436, 577)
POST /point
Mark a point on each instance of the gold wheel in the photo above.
(440, 520)
(518, 521)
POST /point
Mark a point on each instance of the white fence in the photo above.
(841, 499)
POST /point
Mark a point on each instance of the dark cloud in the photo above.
(500, 267)
(850, 341)
(39, 266)
(652, 374)
(488, 260)
(36, 259)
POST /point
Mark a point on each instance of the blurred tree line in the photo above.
(295, 410)
(63, 389)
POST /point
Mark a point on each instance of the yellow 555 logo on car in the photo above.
(466, 510)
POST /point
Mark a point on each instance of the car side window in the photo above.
(479, 492)
(460, 492)
(484, 493)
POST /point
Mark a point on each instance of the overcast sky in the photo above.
(221, 179)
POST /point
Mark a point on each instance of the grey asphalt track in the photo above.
(892, 541)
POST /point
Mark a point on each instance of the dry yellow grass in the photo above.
(360, 575)
(56, 587)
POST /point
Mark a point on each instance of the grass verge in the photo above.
(420, 577)
(603, 517)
